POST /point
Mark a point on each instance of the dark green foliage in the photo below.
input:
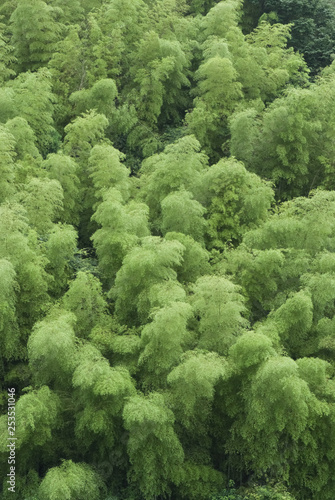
(313, 28)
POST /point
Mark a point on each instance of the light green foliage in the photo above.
(126, 18)
(318, 446)
(19, 245)
(43, 201)
(107, 171)
(165, 294)
(162, 343)
(217, 84)
(100, 55)
(100, 97)
(220, 307)
(37, 417)
(281, 403)
(7, 157)
(70, 13)
(97, 49)
(200, 6)
(289, 252)
(221, 18)
(192, 384)
(153, 447)
(9, 332)
(88, 5)
(326, 109)
(195, 261)
(250, 350)
(69, 481)
(35, 32)
(114, 30)
(158, 77)
(301, 224)
(33, 100)
(159, 69)
(326, 340)
(151, 263)
(6, 103)
(282, 145)
(60, 248)
(82, 134)
(265, 64)
(272, 491)
(67, 67)
(322, 289)
(219, 92)
(119, 344)
(245, 133)
(280, 65)
(7, 57)
(315, 372)
(51, 348)
(94, 374)
(182, 214)
(84, 298)
(258, 272)
(294, 320)
(199, 481)
(101, 392)
(251, 65)
(179, 166)
(164, 17)
(237, 72)
(64, 169)
(121, 228)
(167, 249)
(236, 201)
(25, 140)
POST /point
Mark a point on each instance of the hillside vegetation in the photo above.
(167, 249)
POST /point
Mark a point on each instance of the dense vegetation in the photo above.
(167, 239)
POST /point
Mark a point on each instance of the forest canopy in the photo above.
(167, 230)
